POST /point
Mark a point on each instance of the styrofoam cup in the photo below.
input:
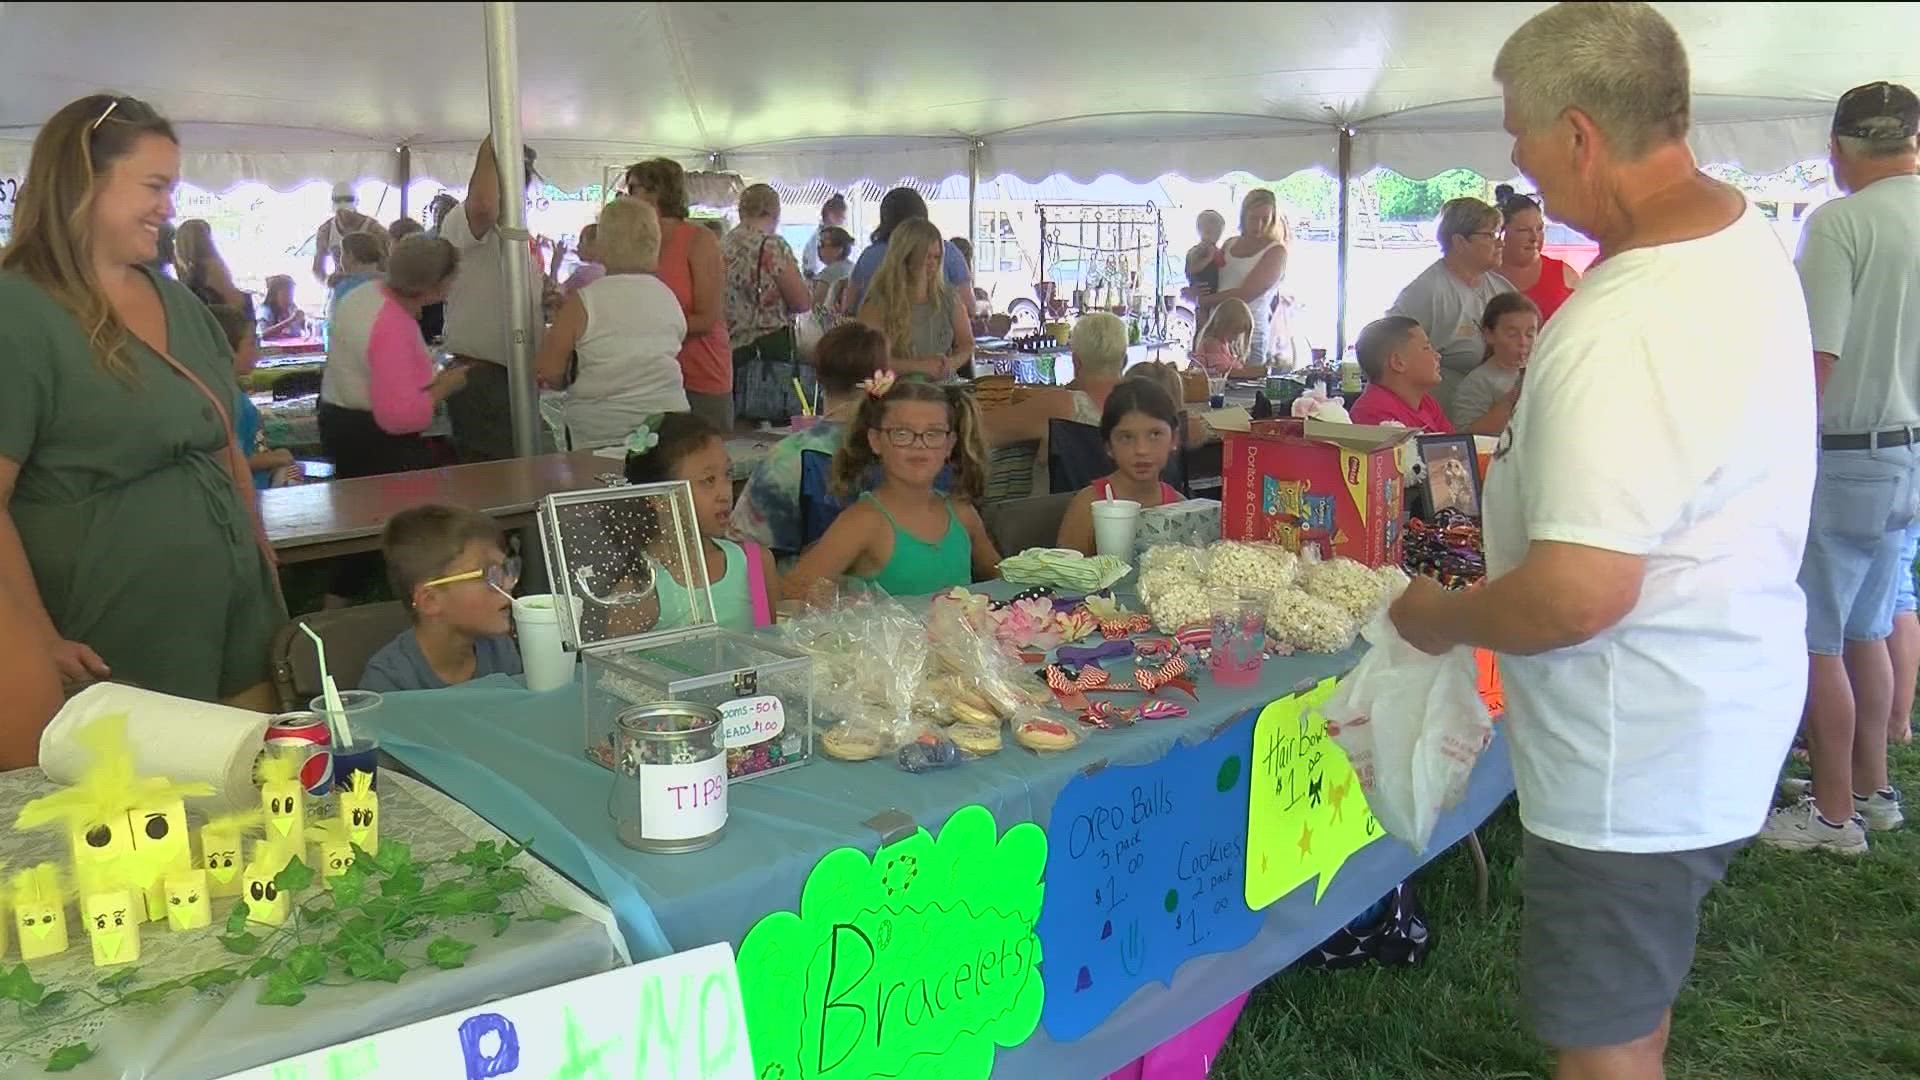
(548, 664)
(1114, 523)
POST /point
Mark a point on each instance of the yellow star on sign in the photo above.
(1306, 841)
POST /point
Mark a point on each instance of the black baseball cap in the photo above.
(1879, 111)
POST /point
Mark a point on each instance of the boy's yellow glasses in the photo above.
(502, 577)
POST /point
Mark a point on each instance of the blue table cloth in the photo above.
(517, 759)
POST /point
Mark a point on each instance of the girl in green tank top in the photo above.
(904, 536)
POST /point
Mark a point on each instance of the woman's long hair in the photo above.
(52, 219)
(901, 281)
(194, 254)
(1278, 231)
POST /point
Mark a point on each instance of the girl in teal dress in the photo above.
(904, 536)
(682, 446)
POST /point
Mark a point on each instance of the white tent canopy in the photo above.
(840, 92)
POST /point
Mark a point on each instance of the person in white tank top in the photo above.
(1256, 264)
(624, 330)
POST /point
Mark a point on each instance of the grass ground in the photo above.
(1808, 966)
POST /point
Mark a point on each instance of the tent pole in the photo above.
(503, 107)
(403, 173)
(973, 193)
(1344, 180)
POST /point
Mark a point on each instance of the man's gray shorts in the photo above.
(1607, 937)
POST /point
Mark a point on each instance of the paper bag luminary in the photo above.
(332, 849)
(40, 912)
(160, 830)
(113, 925)
(118, 824)
(284, 800)
(187, 903)
(221, 852)
(360, 813)
(266, 904)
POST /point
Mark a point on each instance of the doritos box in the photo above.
(1338, 488)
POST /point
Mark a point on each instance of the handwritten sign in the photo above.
(911, 965)
(1144, 866)
(675, 1018)
(748, 721)
(680, 802)
(1305, 812)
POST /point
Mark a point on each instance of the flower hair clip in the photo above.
(643, 438)
(880, 384)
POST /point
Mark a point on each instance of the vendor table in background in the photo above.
(517, 759)
(340, 517)
(198, 1037)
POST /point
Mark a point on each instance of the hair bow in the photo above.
(1116, 627)
(1158, 709)
(1170, 674)
(1106, 716)
(643, 438)
(880, 383)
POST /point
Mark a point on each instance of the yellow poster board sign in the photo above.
(1306, 815)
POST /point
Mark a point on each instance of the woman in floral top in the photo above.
(768, 510)
(764, 292)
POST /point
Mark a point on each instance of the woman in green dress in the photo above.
(129, 530)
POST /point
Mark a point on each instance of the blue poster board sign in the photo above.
(1145, 868)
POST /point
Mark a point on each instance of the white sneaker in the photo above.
(1880, 812)
(1799, 828)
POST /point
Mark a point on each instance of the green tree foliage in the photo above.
(1406, 199)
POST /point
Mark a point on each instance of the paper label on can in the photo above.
(750, 720)
(681, 802)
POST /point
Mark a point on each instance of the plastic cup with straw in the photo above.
(336, 714)
(800, 392)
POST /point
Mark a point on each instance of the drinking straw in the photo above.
(806, 408)
(336, 713)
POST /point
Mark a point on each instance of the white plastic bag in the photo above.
(1413, 725)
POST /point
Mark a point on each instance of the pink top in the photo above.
(1378, 404)
(1168, 493)
(1214, 355)
(706, 361)
(377, 362)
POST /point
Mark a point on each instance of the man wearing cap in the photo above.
(1859, 264)
(327, 240)
(476, 315)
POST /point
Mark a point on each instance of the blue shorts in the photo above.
(1864, 504)
(1903, 594)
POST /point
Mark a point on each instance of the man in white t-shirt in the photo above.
(1645, 517)
(476, 321)
(833, 214)
(1859, 265)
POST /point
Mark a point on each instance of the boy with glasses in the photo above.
(447, 566)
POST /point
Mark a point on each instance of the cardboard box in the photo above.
(1337, 486)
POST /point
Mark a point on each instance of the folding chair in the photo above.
(352, 636)
(1077, 456)
(1018, 524)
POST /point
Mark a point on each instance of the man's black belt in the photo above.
(1874, 441)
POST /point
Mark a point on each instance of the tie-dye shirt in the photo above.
(768, 510)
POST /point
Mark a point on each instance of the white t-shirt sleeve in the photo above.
(1616, 443)
(1825, 263)
(454, 230)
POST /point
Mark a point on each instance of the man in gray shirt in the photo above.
(1448, 298)
(1859, 264)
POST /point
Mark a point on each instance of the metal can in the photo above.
(305, 736)
(670, 777)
